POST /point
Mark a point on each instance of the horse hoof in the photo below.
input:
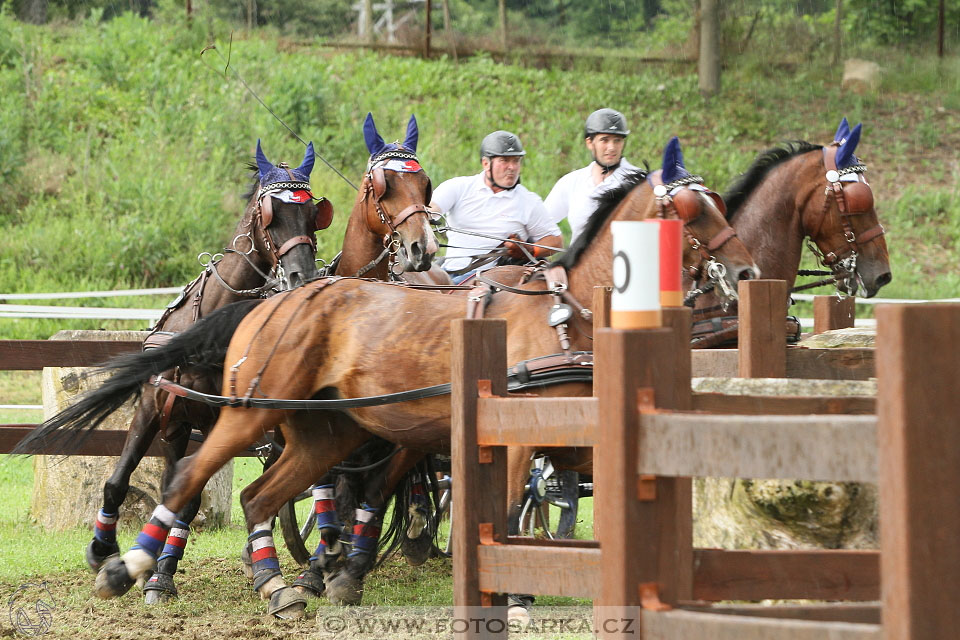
(287, 604)
(344, 590)
(98, 551)
(311, 583)
(159, 588)
(113, 579)
(246, 562)
(417, 550)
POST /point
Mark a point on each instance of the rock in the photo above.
(841, 338)
(734, 513)
(68, 491)
(861, 76)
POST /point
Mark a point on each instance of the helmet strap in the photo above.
(494, 182)
(606, 169)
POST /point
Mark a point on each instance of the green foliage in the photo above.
(124, 151)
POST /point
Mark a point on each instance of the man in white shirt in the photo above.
(493, 203)
(605, 134)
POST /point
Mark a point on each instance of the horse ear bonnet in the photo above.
(845, 157)
(413, 134)
(373, 139)
(673, 168)
(843, 131)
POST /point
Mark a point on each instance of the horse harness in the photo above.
(853, 199)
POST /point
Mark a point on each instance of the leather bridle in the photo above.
(677, 200)
(374, 187)
(853, 199)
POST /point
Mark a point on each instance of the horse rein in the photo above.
(850, 201)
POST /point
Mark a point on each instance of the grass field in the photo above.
(216, 599)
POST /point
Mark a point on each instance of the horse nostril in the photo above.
(883, 279)
(745, 274)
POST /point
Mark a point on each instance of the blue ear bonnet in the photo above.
(375, 144)
(673, 168)
(848, 142)
(269, 174)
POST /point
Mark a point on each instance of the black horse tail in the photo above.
(202, 348)
(401, 516)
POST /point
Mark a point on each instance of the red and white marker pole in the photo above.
(671, 262)
(635, 303)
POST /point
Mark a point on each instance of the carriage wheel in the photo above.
(546, 487)
(298, 524)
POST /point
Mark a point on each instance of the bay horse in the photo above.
(329, 339)
(801, 190)
(273, 246)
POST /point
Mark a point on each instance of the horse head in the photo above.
(712, 252)
(286, 216)
(843, 223)
(396, 192)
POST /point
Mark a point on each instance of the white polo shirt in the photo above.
(573, 197)
(470, 204)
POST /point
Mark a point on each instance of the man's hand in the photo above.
(514, 250)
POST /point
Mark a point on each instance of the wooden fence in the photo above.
(34, 355)
(650, 435)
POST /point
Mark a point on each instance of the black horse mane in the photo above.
(254, 180)
(745, 183)
(606, 203)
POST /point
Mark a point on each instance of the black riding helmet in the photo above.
(605, 121)
(501, 143)
(497, 145)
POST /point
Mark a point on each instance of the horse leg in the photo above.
(346, 587)
(325, 559)
(160, 587)
(306, 455)
(236, 430)
(143, 428)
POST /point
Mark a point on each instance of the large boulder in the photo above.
(736, 513)
(861, 76)
(852, 337)
(68, 491)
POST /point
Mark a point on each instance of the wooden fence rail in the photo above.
(643, 566)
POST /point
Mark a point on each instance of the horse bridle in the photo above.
(854, 199)
(683, 204)
(374, 186)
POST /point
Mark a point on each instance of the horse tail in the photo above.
(202, 348)
(401, 516)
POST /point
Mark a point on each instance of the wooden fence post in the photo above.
(918, 440)
(601, 320)
(762, 342)
(833, 312)
(478, 353)
(642, 539)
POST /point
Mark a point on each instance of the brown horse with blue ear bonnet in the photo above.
(275, 235)
(389, 215)
(802, 190)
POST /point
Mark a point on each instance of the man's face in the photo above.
(607, 148)
(506, 169)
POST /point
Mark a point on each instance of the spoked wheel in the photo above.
(298, 520)
(546, 486)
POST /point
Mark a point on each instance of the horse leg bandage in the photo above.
(366, 531)
(173, 549)
(154, 533)
(328, 523)
(325, 507)
(105, 527)
(263, 553)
